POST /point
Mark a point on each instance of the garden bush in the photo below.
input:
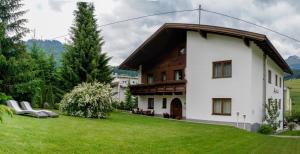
(291, 125)
(56, 106)
(295, 117)
(4, 98)
(90, 100)
(265, 129)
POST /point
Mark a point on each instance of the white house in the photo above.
(120, 83)
(208, 73)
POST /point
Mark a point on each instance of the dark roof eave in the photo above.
(286, 68)
(210, 29)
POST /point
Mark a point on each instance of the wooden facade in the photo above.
(163, 72)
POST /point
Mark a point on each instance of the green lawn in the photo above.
(125, 133)
(291, 133)
(294, 84)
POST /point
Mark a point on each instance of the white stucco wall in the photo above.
(256, 106)
(201, 87)
(273, 91)
(245, 87)
(158, 99)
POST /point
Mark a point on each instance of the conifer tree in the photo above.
(16, 76)
(14, 30)
(129, 100)
(83, 60)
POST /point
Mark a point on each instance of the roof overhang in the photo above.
(171, 33)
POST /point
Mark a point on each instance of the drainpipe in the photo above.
(264, 85)
(283, 102)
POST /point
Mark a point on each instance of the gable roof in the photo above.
(146, 52)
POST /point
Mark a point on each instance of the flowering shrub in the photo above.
(265, 129)
(272, 114)
(90, 100)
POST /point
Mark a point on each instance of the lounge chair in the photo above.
(26, 106)
(15, 106)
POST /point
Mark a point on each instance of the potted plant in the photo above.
(166, 115)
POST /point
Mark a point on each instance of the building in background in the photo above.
(287, 101)
(122, 78)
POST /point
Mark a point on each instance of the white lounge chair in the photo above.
(15, 106)
(26, 106)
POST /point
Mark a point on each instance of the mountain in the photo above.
(49, 46)
(294, 62)
(118, 71)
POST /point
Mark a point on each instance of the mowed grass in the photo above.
(294, 84)
(291, 133)
(126, 133)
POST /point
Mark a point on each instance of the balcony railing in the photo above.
(167, 87)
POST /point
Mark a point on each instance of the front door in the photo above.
(176, 109)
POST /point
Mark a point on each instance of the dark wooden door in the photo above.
(176, 109)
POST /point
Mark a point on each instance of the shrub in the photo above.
(265, 129)
(122, 105)
(115, 104)
(272, 114)
(289, 118)
(295, 117)
(4, 98)
(90, 100)
(46, 105)
(5, 109)
(291, 125)
(56, 106)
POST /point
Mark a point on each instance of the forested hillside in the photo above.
(49, 46)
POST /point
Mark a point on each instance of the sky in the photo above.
(51, 19)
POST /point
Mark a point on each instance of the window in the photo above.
(178, 75)
(150, 103)
(150, 79)
(280, 82)
(279, 104)
(222, 106)
(269, 76)
(164, 103)
(269, 101)
(222, 69)
(276, 80)
(163, 76)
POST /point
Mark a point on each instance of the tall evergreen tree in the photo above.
(14, 30)
(83, 60)
(46, 72)
(16, 75)
(129, 100)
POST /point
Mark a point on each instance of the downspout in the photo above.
(283, 102)
(264, 86)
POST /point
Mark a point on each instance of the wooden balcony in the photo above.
(167, 88)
